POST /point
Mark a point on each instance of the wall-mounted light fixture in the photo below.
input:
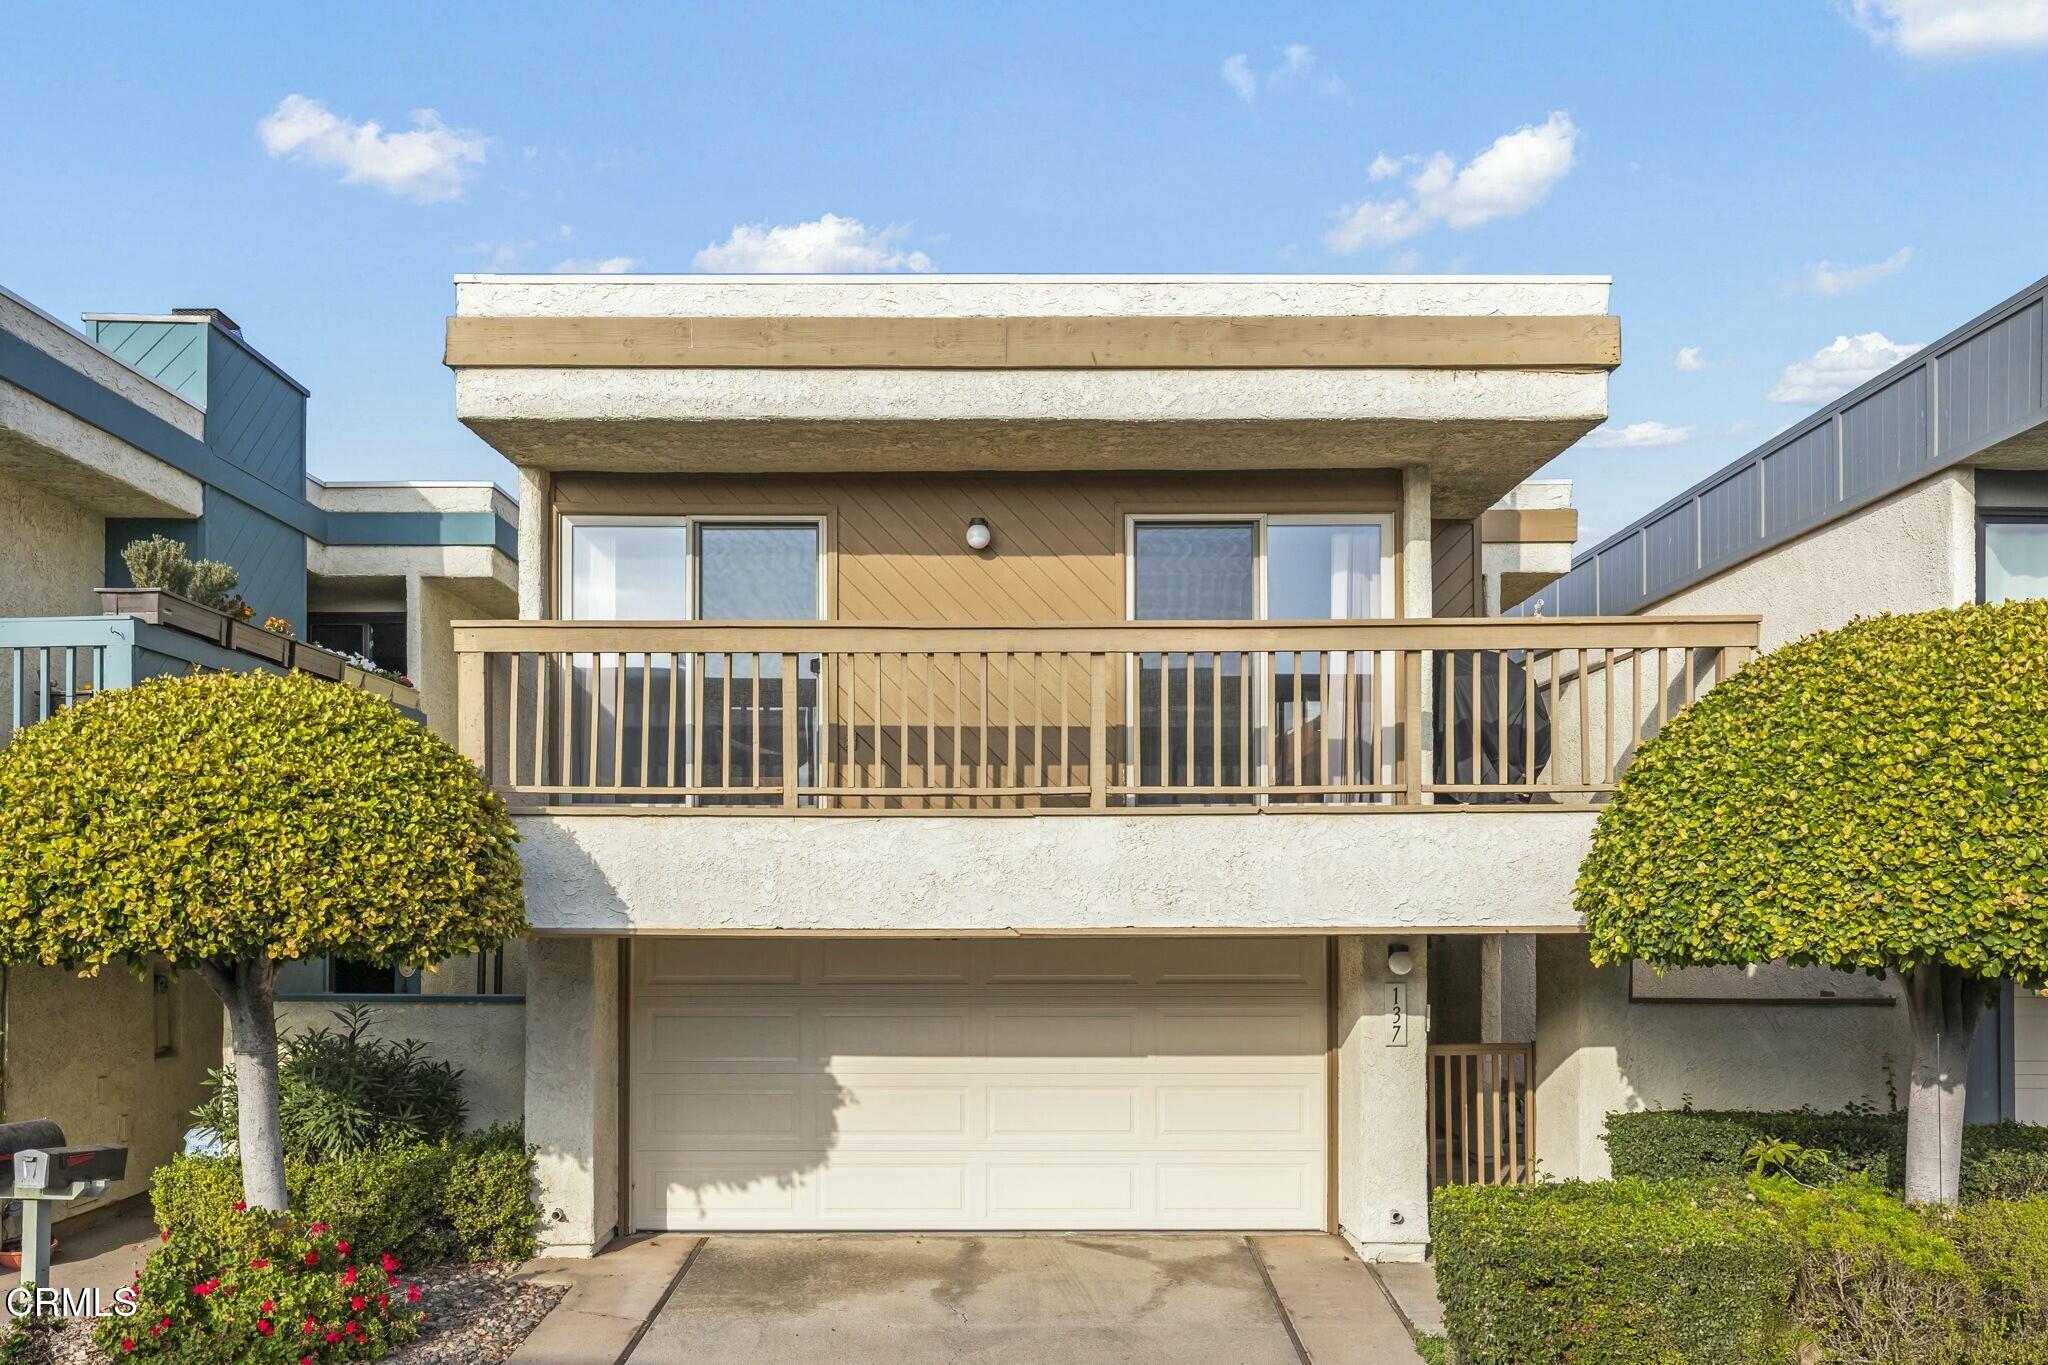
(1400, 961)
(978, 534)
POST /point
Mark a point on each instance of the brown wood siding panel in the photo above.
(896, 545)
(1586, 342)
(1454, 560)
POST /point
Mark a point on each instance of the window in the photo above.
(2014, 561)
(693, 569)
(1271, 568)
(377, 636)
(470, 974)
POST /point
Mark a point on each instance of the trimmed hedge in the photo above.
(2000, 1160)
(1729, 1273)
(1612, 1273)
(423, 1202)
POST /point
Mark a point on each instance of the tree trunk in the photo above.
(1942, 1005)
(249, 990)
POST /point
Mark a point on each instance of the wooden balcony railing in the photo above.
(831, 718)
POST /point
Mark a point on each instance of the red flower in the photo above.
(349, 1276)
(156, 1329)
(269, 1306)
(331, 1338)
(341, 1247)
(317, 1229)
(358, 1303)
(351, 1328)
(392, 1280)
(412, 1293)
(259, 1264)
(383, 1302)
(241, 1206)
(388, 1261)
(205, 1287)
(128, 1345)
(165, 1235)
(310, 1323)
(312, 1258)
(263, 1326)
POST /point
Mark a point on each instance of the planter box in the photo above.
(321, 663)
(376, 684)
(162, 608)
(258, 641)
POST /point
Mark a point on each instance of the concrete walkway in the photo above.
(1078, 1299)
(611, 1300)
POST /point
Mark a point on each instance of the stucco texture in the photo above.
(83, 1051)
(52, 552)
(486, 1039)
(1598, 1053)
(609, 874)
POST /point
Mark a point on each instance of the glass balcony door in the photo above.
(1202, 724)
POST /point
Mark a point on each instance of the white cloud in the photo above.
(1237, 74)
(1690, 358)
(597, 265)
(1638, 436)
(1510, 177)
(828, 244)
(1297, 63)
(1953, 28)
(432, 162)
(1837, 367)
(1384, 166)
(1831, 279)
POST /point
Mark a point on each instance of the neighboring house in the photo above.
(996, 752)
(1924, 487)
(175, 424)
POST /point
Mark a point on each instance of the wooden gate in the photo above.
(1482, 1114)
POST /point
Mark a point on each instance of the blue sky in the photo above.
(1759, 178)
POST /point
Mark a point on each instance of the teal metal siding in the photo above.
(174, 354)
(255, 418)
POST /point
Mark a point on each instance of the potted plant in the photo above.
(170, 590)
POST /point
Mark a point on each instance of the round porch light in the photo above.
(1400, 961)
(978, 534)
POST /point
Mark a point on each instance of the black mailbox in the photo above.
(62, 1167)
(40, 1134)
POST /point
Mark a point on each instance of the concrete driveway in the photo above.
(1074, 1299)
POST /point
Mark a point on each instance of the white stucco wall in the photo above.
(1598, 1053)
(1472, 869)
(572, 1090)
(52, 552)
(82, 1051)
(1382, 1121)
(486, 1039)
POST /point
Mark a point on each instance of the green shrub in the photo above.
(2000, 1160)
(488, 1195)
(2005, 1243)
(1611, 1272)
(1877, 1281)
(244, 1286)
(391, 1196)
(160, 562)
(343, 1090)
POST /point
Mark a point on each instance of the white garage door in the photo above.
(978, 1083)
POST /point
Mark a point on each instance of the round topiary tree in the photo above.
(230, 821)
(1873, 798)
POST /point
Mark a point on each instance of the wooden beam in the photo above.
(1584, 342)
(1530, 526)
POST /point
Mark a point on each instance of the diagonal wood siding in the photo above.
(895, 540)
(1454, 561)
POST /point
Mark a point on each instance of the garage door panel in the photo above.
(1238, 961)
(1058, 1032)
(754, 1037)
(1041, 1095)
(1030, 1112)
(718, 962)
(856, 1036)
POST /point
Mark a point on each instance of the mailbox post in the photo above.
(44, 1172)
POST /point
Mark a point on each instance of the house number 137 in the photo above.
(1397, 1018)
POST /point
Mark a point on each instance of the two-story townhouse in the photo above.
(996, 752)
(1924, 487)
(175, 424)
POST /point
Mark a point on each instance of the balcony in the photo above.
(822, 719)
(50, 662)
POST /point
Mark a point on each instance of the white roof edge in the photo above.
(936, 279)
